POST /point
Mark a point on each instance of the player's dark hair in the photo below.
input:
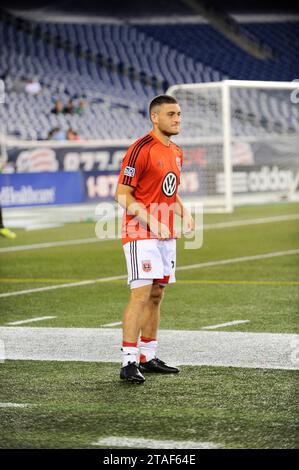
(161, 99)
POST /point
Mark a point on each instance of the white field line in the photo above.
(20, 322)
(37, 246)
(180, 268)
(238, 260)
(111, 324)
(205, 348)
(14, 405)
(140, 443)
(214, 226)
(62, 286)
(223, 325)
(261, 220)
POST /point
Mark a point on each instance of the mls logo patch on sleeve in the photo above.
(129, 171)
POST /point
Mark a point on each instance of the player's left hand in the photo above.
(188, 224)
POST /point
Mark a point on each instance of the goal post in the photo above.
(241, 138)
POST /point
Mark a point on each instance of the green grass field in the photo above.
(74, 403)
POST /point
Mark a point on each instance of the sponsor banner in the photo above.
(100, 185)
(33, 189)
(91, 156)
(257, 167)
(63, 158)
(265, 179)
(257, 153)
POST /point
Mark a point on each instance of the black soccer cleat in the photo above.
(157, 366)
(131, 373)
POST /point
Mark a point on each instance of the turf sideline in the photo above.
(204, 348)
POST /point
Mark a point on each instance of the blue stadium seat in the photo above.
(171, 54)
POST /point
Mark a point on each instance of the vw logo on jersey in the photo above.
(169, 184)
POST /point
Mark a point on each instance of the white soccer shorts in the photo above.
(150, 261)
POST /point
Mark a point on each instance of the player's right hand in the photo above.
(163, 232)
(160, 230)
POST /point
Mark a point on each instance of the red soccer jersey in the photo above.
(153, 170)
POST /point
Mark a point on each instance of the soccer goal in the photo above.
(240, 140)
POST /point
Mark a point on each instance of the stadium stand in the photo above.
(207, 46)
(117, 68)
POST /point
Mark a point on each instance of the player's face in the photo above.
(168, 118)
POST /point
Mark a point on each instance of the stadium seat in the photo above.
(153, 54)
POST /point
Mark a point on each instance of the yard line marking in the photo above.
(179, 268)
(261, 220)
(14, 405)
(37, 246)
(62, 286)
(215, 226)
(140, 443)
(238, 260)
(222, 325)
(112, 324)
(29, 320)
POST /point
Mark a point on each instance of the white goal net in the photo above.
(241, 141)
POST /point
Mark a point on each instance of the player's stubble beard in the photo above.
(169, 133)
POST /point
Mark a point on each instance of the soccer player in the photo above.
(147, 189)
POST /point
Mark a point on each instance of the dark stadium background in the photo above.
(136, 7)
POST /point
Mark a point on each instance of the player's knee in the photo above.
(157, 294)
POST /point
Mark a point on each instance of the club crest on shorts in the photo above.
(146, 265)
